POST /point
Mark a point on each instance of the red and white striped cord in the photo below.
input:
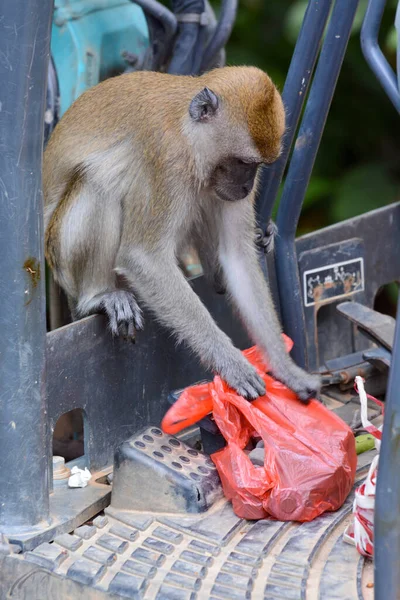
(361, 532)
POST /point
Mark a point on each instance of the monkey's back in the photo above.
(149, 108)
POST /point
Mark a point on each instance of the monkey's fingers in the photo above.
(252, 390)
(112, 321)
(126, 330)
(131, 333)
(243, 378)
(267, 241)
(137, 314)
(305, 385)
(270, 234)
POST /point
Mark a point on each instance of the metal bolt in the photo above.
(60, 471)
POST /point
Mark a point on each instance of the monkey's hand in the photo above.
(240, 375)
(123, 312)
(305, 385)
(267, 241)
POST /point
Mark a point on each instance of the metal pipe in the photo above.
(188, 14)
(387, 501)
(374, 55)
(161, 14)
(221, 35)
(24, 47)
(294, 94)
(162, 26)
(299, 173)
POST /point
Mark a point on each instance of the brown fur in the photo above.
(141, 165)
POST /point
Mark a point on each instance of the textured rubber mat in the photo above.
(213, 555)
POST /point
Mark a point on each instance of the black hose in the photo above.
(205, 35)
(186, 44)
(157, 14)
(161, 13)
(222, 32)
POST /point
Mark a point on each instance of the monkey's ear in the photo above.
(203, 106)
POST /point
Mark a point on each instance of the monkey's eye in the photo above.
(248, 162)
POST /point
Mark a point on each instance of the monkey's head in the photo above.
(239, 120)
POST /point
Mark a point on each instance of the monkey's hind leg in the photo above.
(89, 241)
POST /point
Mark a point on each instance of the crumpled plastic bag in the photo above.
(310, 456)
(79, 477)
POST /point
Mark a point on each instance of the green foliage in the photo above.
(357, 167)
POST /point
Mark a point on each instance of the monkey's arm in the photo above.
(250, 293)
(161, 285)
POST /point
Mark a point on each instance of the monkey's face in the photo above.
(233, 178)
(236, 125)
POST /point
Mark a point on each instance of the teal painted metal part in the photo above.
(88, 39)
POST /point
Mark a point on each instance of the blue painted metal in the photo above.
(374, 55)
(397, 25)
(24, 48)
(294, 94)
(88, 39)
(387, 507)
(299, 173)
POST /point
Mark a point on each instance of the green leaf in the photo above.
(362, 189)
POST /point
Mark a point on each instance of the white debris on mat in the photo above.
(79, 477)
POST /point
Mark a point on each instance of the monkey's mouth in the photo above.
(233, 195)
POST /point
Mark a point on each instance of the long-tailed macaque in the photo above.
(140, 165)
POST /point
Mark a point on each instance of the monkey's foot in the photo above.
(123, 312)
(267, 240)
(242, 377)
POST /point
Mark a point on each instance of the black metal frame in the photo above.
(25, 429)
(373, 53)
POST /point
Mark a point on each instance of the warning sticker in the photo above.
(333, 281)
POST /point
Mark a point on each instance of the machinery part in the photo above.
(299, 173)
(24, 46)
(191, 22)
(380, 357)
(377, 326)
(221, 34)
(162, 26)
(294, 95)
(374, 55)
(193, 557)
(60, 471)
(88, 42)
(387, 502)
(186, 480)
(197, 27)
(371, 239)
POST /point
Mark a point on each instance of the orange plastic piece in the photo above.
(310, 456)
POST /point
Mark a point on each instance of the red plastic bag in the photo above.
(310, 456)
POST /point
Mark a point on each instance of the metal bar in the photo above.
(299, 173)
(24, 51)
(294, 94)
(387, 504)
(374, 55)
